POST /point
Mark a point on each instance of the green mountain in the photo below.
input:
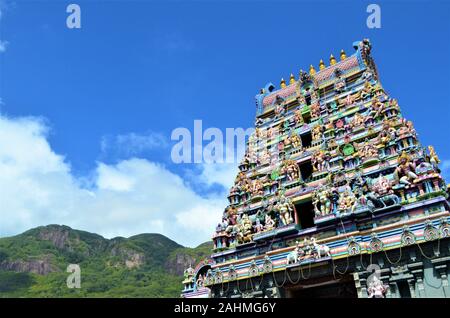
(34, 264)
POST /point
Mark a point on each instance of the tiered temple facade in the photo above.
(335, 197)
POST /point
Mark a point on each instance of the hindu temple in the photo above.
(335, 196)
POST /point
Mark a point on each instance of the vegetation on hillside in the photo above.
(34, 263)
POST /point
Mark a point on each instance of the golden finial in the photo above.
(332, 60)
(321, 65)
(283, 83)
(312, 70)
(343, 55)
(292, 79)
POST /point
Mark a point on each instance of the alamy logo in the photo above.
(73, 21)
(74, 279)
(374, 19)
(221, 147)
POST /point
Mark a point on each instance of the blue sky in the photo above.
(111, 93)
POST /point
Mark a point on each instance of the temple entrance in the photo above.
(331, 288)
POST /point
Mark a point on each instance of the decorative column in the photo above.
(436, 185)
(412, 287)
(441, 268)
(421, 192)
(358, 285)
(416, 270)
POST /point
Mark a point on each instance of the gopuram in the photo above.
(335, 196)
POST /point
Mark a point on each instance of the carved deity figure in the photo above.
(404, 173)
(406, 129)
(315, 110)
(269, 223)
(367, 90)
(265, 157)
(376, 288)
(357, 121)
(296, 141)
(434, 160)
(285, 209)
(243, 182)
(368, 150)
(319, 160)
(280, 107)
(387, 134)
(316, 132)
(244, 229)
(377, 108)
(347, 201)
(200, 281)
(257, 188)
(298, 118)
(348, 100)
(258, 226)
(290, 168)
(322, 197)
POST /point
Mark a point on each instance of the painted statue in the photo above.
(347, 201)
(269, 223)
(404, 173)
(285, 209)
(376, 288)
(434, 160)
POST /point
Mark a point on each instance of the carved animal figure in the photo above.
(320, 250)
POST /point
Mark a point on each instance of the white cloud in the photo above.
(132, 144)
(218, 173)
(130, 197)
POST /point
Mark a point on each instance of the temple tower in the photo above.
(335, 196)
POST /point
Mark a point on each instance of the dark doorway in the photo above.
(305, 213)
(306, 170)
(403, 289)
(306, 139)
(308, 100)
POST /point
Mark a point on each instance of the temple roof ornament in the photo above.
(291, 79)
(321, 65)
(332, 60)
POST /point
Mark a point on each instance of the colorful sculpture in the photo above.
(285, 210)
(404, 173)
